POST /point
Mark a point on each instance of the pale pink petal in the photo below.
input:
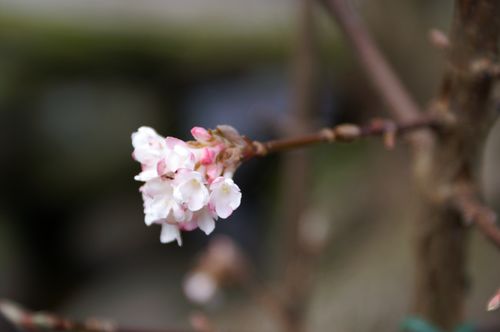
(191, 190)
(223, 210)
(213, 171)
(188, 226)
(170, 233)
(172, 142)
(149, 147)
(205, 221)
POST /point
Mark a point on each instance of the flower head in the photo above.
(188, 185)
(225, 196)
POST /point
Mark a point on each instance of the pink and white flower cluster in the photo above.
(188, 185)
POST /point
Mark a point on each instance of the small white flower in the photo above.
(225, 196)
(149, 148)
(190, 189)
(159, 202)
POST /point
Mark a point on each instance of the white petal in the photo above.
(195, 194)
(235, 199)
(149, 147)
(178, 155)
(191, 190)
(223, 210)
(150, 219)
(146, 175)
(157, 187)
(205, 221)
(170, 233)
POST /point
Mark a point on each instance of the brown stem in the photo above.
(384, 80)
(343, 133)
(455, 160)
(474, 211)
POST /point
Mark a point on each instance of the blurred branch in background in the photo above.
(453, 162)
(476, 213)
(388, 85)
(26, 321)
(296, 174)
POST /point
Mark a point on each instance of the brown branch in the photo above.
(294, 288)
(42, 321)
(475, 212)
(344, 133)
(453, 160)
(384, 80)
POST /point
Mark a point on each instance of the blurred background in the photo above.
(78, 77)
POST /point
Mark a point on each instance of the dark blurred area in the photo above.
(78, 77)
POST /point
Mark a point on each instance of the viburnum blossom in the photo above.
(188, 185)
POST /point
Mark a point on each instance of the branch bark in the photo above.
(388, 129)
(454, 161)
(474, 212)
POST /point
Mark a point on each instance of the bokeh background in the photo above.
(78, 77)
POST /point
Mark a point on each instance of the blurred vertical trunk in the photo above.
(454, 161)
(296, 172)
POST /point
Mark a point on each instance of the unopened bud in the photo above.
(347, 132)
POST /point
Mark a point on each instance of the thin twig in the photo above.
(344, 133)
(42, 321)
(384, 80)
(475, 212)
(294, 290)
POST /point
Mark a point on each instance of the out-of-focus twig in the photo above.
(384, 80)
(295, 289)
(475, 212)
(27, 321)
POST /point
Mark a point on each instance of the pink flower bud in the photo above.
(201, 134)
(207, 156)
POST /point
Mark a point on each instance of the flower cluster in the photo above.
(188, 185)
